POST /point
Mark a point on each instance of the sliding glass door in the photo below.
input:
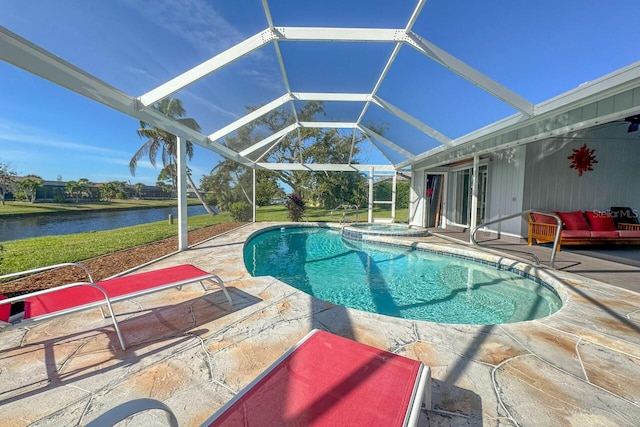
(462, 195)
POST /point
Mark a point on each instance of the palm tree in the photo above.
(164, 143)
(139, 186)
(73, 188)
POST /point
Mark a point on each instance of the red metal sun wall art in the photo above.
(582, 159)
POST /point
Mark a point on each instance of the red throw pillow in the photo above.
(574, 220)
(5, 310)
(601, 221)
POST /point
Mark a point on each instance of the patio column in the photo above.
(393, 196)
(474, 196)
(181, 173)
(254, 194)
(370, 209)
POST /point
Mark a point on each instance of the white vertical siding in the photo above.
(416, 198)
(538, 176)
(505, 192)
(551, 185)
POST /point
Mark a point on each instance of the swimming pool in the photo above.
(393, 281)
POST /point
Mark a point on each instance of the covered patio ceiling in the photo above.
(404, 136)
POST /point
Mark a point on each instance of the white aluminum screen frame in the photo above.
(26, 55)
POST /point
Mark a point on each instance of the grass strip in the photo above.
(25, 254)
(24, 208)
(279, 213)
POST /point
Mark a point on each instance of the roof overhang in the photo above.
(609, 98)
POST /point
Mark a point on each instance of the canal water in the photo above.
(52, 225)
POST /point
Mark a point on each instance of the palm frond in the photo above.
(190, 123)
(142, 151)
(160, 141)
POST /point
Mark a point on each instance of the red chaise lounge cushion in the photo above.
(329, 381)
(82, 295)
(5, 310)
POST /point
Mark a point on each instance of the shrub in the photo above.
(241, 211)
(296, 206)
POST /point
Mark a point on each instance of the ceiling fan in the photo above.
(633, 121)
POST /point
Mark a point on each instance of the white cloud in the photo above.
(142, 75)
(268, 80)
(19, 133)
(120, 161)
(213, 107)
(195, 21)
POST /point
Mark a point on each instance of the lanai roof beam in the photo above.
(196, 73)
(321, 167)
(249, 117)
(385, 141)
(268, 140)
(412, 120)
(283, 69)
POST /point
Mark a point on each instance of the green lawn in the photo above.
(25, 254)
(279, 213)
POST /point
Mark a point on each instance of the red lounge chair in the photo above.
(327, 380)
(324, 380)
(74, 297)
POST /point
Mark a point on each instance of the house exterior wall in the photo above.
(551, 185)
(538, 176)
(505, 189)
(417, 198)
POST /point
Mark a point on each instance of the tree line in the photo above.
(26, 188)
(230, 182)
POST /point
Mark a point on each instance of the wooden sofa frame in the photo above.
(546, 233)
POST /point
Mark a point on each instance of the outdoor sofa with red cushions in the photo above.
(582, 228)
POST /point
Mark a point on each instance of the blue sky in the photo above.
(537, 49)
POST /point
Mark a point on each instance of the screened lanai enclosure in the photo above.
(481, 103)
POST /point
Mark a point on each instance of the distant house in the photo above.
(55, 191)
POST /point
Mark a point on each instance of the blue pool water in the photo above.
(396, 282)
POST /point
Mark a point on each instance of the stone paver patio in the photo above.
(577, 367)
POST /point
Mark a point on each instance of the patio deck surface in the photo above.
(577, 367)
